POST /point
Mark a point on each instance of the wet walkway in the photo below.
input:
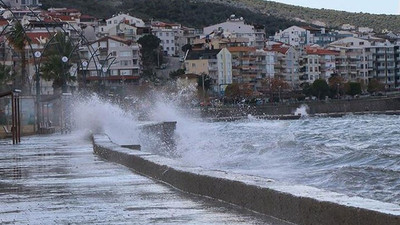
(58, 180)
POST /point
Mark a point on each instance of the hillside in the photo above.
(332, 18)
(199, 13)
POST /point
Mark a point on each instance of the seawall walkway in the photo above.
(58, 180)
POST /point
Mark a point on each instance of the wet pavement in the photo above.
(58, 180)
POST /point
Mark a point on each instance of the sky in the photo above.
(367, 6)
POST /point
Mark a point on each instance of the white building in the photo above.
(114, 21)
(113, 61)
(224, 62)
(354, 63)
(168, 34)
(22, 3)
(295, 36)
(236, 28)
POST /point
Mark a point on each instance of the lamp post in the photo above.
(84, 67)
(37, 54)
(64, 59)
(279, 93)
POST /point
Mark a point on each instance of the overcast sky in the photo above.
(369, 6)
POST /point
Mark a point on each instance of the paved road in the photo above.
(58, 180)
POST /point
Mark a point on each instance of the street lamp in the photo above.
(64, 59)
(279, 93)
(84, 67)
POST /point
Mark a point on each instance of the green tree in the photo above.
(6, 77)
(320, 88)
(53, 68)
(151, 54)
(207, 82)
(18, 40)
(174, 74)
(353, 88)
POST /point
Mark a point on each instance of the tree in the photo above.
(53, 68)
(336, 85)
(174, 74)
(320, 88)
(207, 81)
(232, 91)
(5, 77)
(18, 40)
(375, 86)
(353, 88)
(151, 54)
(186, 48)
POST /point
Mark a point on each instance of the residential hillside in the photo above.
(196, 14)
(199, 13)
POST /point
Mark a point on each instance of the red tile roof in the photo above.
(320, 51)
(242, 49)
(36, 36)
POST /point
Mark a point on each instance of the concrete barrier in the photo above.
(294, 203)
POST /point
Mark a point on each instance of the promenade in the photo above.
(58, 180)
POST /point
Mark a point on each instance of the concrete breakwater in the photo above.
(367, 105)
(294, 203)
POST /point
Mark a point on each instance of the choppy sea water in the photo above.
(355, 155)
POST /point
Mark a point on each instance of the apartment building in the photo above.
(168, 33)
(22, 3)
(286, 63)
(317, 63)
(386, 64)
(355, 59)
(120, 23)
(113, 61)
(236, 28)
(294, 36)
(217, 63)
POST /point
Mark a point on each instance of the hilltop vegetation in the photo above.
(200, 13)
(332, 18)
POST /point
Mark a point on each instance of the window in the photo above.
(125, 62)
(125, 53)
(167, 34)
(126, 72)
(114, 72)
(167, 41)
(103, 44)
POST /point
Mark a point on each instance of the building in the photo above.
(236, 28)
(216, 63)
(224, 63)
(286, 63)
(168, 34)
(318, 63)
(295, 36)
(355, 60)
(112, 61)
(22, 3)
(117, 24)
(386, 64)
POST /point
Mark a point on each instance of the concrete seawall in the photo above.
(294, 203)
(369, 105)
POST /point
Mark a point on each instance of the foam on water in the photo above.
(355, 155)
(97, 115)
